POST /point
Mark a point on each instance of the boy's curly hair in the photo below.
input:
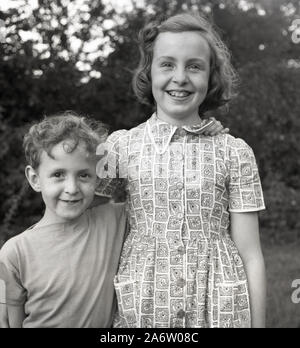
(223, 77)
(67, 125)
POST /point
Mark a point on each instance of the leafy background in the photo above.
(42, 71)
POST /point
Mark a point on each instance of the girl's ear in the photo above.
(33, 178)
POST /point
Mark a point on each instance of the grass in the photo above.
(283, 266)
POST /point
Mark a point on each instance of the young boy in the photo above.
(59, 273)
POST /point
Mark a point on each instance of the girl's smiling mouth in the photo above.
(181, 94)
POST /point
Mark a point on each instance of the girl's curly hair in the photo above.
(223, 78)
(53, 129)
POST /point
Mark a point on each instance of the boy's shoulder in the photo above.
(108, 219)
(33, 235)
(108, 211)
(11, 246)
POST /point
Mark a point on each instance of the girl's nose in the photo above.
(71, 186)
(180, 76)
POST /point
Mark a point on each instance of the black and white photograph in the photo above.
(150, 166)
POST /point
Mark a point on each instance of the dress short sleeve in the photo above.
(245, 191)
(11, 289)
(112, 166)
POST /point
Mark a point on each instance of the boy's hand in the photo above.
(215, 128)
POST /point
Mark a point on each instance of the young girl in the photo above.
(193, 256)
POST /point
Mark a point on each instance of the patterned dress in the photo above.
(179, 267)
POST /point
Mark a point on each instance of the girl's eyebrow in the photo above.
(200, 60)
(166, 58)
(191, 60)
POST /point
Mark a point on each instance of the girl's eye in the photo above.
(195, 67)
(166, 65)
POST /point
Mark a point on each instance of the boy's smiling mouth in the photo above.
(71, 201)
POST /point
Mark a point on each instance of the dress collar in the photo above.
(161, 132)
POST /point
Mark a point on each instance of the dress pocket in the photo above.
(126, 297)
(234, 306)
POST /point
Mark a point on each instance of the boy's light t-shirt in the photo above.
(63, 273)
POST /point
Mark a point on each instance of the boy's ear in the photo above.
(33, 178)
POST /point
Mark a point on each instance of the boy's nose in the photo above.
(71, 186)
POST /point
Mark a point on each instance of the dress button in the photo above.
(180, 313)
(180, 216)
(180, 282)
(176, 242)
(179, 185)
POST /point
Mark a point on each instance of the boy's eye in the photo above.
(84, 175)
(58, 175)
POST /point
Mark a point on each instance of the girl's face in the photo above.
(180, 73)
(67, 182)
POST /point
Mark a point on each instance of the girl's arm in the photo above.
(245, 234)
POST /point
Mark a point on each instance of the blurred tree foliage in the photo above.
(40, 74)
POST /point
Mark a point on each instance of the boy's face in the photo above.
(180, 73)
(67, 182)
